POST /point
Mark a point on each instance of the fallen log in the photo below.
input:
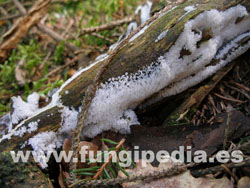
(175, 49)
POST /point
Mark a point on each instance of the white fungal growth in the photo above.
(139, 33)
(21, 131)
(131, 27)
(145, 11)
(232, 45)
(162, 35)
(204, 73)
(53, 140)
(114, 98)
(22, 109)
(188, 9)
(31, 127)
(145, 15)
(42, 144)
(69, 120)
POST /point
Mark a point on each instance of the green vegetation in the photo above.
(95, 13)
(111, 170)
(33, 56)
(30, 57)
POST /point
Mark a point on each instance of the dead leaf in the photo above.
(71, 72)
(210, 142)
(91, 147)
(20, 73)
(67, 147)
(244, 182)
(184, 180)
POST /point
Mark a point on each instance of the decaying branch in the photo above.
(92, 87)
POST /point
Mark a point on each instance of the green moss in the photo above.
(11, 173)
(21, 175)
(172, 119)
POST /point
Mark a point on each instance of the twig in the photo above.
(69, 25)
(117, 148)
(240, 91)
(47, 30)
(63, 1)
(229, 117)
(5, 13)
(215, 169)
(24, 4)
(226, 169)
(102, 37)
(107, 26)
(45, 60)
(241, 86)
(229, 98)
(163, 173)
(182, 115)
(12, 37)
(58, 69)
(210, 121)
(210, 98)
(56, 36)
(20, 7)
(10, 17)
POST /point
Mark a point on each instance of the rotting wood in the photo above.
(131, 57)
